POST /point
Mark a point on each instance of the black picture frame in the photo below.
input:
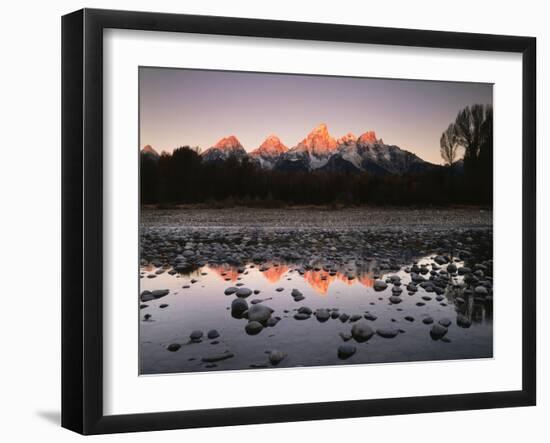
(82, 218)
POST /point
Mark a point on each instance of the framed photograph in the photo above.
(269, 221)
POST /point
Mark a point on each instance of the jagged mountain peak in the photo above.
(368, 137)
(224, 149)
(318, 141)
(228, 143)
(347, 139)
(271, 146)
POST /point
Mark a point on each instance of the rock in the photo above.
(420, 303)
(301, 316)
(305, 310)
(345, 336)
(163, 305)
(147, 316)
(451, 268)
(370, 316)
(445, 322)
(218, 357)
(344, 317)
(463, 321)
(299, 298)
(243, 292)
(238, 306)
(158, 293)
(395, 300)
(212, 334)
(361, 331)
(230, 290)
(396, 290)
(259, 313)
(346, 351)
(387, 332)
(173, 347)
(409, 318)
(296, 293)
(440, 260)
(253, 328)
(481, 290)
(427, 320)
(280, 289)
(147, 296)
(355, 317)
(380, 285)
(272, 321)
(195, 335)
(322, 314)
(275, 357)
(464, 270)
(438, 331)
(334, 314)
(426, 298)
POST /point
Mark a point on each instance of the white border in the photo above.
(125, 392)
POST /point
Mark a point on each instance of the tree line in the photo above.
(183, 178)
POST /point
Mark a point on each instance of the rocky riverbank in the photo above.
(363, 285)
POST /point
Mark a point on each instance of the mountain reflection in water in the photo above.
(318, 279)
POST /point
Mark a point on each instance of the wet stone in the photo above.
(213, 333)
(259, 313)
(346, 351)
(344, 317)
(275, 357)
(195, 335)
(218, 357)
(438, 331)
(322, 315)
(253, 328)
(395, 300)
(361, 331)
(238, 306)
(345, 336)
(173, 347)
(387, 332)
(380, 285)
(243, 292)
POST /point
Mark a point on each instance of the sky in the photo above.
(181, 107)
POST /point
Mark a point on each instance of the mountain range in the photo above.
(320, 151)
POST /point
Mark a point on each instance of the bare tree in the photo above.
(449, 145)
(469, 129)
